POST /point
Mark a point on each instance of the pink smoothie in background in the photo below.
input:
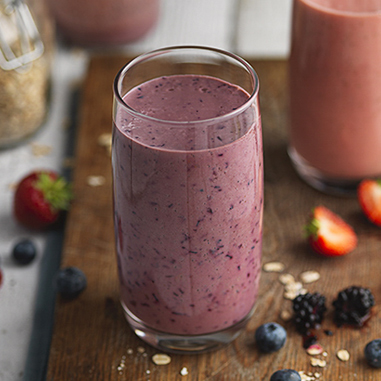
(97, 22)
(188, 221)
(335, 86)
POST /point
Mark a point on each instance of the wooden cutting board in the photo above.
(91, 339)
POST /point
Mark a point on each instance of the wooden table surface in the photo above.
(91, 338)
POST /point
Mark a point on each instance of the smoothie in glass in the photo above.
(89, 22)
(335, 91)
(188, 203)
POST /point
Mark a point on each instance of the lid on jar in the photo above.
(20, 40)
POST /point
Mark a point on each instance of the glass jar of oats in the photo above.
(26, 40)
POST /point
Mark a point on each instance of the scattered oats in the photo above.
(290, 295)
(325, 354)
(305, 377)
(314, 350)
(130, 351)
(309, 276)
(140, 349)
(144, 354)
(161, 359)
(317, 375)
(105, 140)
(343, 355)
(273, 267)
(286, 279)
(292, 290)
(184, 371)
(286, 315)
(148, 371)
(293, 287)
(318, 362)
(122, 364)
(95, 181)
(40, 149)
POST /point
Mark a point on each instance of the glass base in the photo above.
(185, 344)
(319, 181)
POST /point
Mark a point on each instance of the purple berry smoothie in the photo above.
(335, 87)
(188, 221)
(104, 22)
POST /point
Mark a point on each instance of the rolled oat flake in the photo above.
(161, 359)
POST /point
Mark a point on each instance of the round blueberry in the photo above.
(70, 281)
(286, 375)
(24, 252)
(270, 337)
(372, 353)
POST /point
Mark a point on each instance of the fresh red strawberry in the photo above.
(369, 196)
(39, 199)
(328, 234)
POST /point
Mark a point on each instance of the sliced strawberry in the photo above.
(328, 234)
(39, 199)
(369, 197)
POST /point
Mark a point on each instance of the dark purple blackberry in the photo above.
(309, 312)
(353, 306)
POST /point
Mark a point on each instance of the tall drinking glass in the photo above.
(188, 196)
(335, 92)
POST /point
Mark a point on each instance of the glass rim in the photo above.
(341, 12)
(143, 57)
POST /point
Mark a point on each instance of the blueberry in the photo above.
(286, 375)
(372, 353)
(24, 252)
(70, 282)
(270, 337)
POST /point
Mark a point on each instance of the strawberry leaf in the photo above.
(312, 228)
(56, 191)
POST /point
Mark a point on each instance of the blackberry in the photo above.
(309, 312)
(352, 306)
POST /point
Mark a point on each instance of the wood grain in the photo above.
(91, 339)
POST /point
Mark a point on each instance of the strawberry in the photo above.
(369, 197)
(328, 234)
(39, 199)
